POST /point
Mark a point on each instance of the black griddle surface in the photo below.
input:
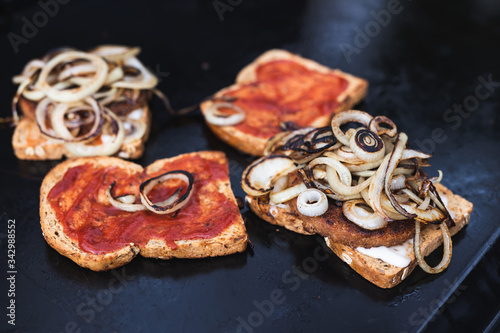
(427, 58)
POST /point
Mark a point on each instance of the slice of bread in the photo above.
(255, 145)
(231, 239)
(374, 270)
(30, 144)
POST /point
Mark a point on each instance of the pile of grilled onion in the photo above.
(75, 91)
(367, 167)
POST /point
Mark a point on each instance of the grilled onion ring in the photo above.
(75, 94)
(361, 217)
(258, 177)
(312, 202)
(116, 53)
(345, 117)
(447, 245)
(374, 126)
(59, 125)
(173, 203)
(127, 206)
(215, 117)
(367, 145)
(104, 148)
(144, 80)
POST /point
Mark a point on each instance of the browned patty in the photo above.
(121, 108)
(334, 225)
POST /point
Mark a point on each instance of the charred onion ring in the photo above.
(344, 117)
(374, 126)
(108, 145)
(259, 176)
(60, 124)
(367, 145)
(175, 202)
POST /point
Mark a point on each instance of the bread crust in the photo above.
(377, 271)
(30, 144)
(233, 239)
(253, 145)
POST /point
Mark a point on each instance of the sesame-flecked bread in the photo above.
(374, 270)
(30, 144)
(354, 92)
(231, 239)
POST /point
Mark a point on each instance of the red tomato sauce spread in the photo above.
(286, 91)
(80, 203)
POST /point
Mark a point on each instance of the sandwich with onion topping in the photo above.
(78, 104)
(276, 92)
(103, 211)
(362, 189)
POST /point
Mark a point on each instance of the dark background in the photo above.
(422, 59)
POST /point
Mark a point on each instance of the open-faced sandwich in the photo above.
(276, 92)
(363, 190)
(78, 103)
(102, 211)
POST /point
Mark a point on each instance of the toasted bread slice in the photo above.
(30, 144)
(250, 143)
(374, 270)
(231, 237)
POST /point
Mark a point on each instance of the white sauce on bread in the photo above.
(398, 255)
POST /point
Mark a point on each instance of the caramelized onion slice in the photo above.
(59, 122)
(374, 125)
(344, 117)
(24, 84)
(429, 215)
(216, 117)
(76, 70)
(134, 130)
(108, 144)
(116, 53)
(376, 187)
(394, 160)
(168, 205)
(361, 216)
(367, 145)
(258, 177)
(72, 95)
(29, 70)
(143, 80)
(42, 115)
(447, 245)
(125, 202)
(410, 153)
(339, 178)
(287, 194)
